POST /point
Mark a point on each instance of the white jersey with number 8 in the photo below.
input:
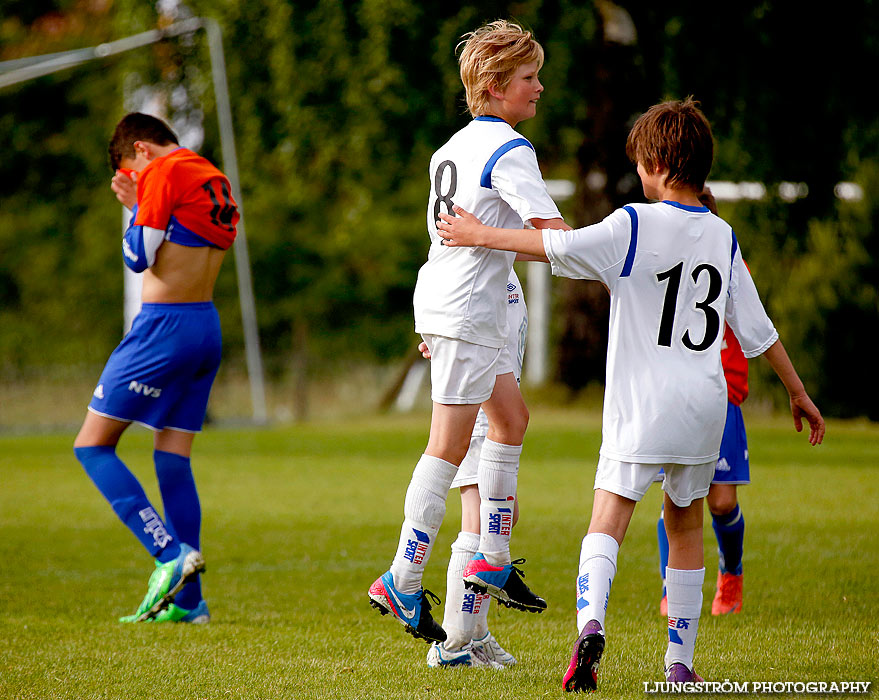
(490, 170)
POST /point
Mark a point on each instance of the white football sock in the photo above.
(598, 566)
(423, 512)
(498, 476)
(463, 607)
(684, 589)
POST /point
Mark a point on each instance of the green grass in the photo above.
(300, 520)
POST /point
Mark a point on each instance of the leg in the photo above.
(425, 504)
(180, 498)
(662, 540)
(462, 607)
(399, 591)
(611, 514)
(729, 526)
(499, 468)
(729, 529)
(492, 569)
(95, 448)
(685, 575)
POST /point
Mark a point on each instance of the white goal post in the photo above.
(24, 69)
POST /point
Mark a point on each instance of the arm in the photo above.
(800, 403)
(466, 230)
(556, 223)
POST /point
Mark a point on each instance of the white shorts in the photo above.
(462, 372)
(683, 483)
(467, 472)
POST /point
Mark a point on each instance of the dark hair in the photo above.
(675, 136)
(137, 127)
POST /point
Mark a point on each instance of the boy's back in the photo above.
(490, 168)
(668, 267)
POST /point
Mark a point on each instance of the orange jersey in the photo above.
(184, 190)
(735, 368)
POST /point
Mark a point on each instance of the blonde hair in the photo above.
(490, 56)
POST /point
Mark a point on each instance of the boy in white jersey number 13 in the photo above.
(460, 311)
(675, 272)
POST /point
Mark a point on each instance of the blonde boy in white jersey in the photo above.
(460, 311)
(675, 273)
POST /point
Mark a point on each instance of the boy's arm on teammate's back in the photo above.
(540, 224)
(466, 230)
(800, 403)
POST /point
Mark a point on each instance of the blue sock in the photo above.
(730, 531)
(182, 512)
(662, 538)
(124, 492)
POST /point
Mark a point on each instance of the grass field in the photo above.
(300, 520)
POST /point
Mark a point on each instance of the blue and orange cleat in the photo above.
(502, 582)
(412, 610)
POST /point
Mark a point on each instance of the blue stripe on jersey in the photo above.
(735, 246)
(633, 243)
(179, 234)
(686, 207)
(487, 118)
(485, 180)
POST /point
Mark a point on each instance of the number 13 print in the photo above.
(712, 318)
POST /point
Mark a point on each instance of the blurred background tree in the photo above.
(338, 105)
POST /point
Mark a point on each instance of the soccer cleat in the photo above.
(679, 673)
(166, 581)
(663, 605)
(440, 657)
(199, 615)
(728, 598)
(582, 673)
(493, 651)
(502, 582)
(412, 610)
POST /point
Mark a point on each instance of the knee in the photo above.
(722, 503)
(511, 431)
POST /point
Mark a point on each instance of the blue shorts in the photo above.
(732, 465)
(161, 373)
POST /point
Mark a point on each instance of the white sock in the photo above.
(423, 512)
(684, 588)
(463, 606)
(598, 566)
(498, 476)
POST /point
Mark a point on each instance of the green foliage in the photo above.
(337, 108)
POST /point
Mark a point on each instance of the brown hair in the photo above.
(137, 127)
(675, 136)
(490, 56)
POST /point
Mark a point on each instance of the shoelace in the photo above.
(433, 596)
(516, 569)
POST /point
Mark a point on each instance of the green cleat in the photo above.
(199, 615)
(166, 582)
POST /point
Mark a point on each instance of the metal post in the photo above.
(242, 258)
(537, 351)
